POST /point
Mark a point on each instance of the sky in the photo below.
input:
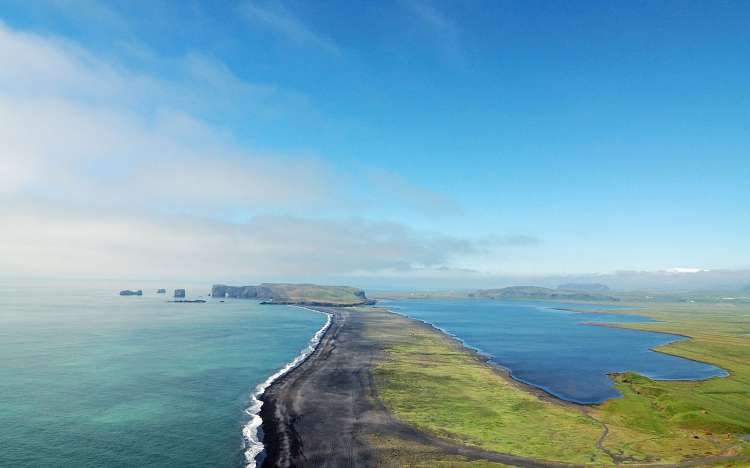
(393, 143)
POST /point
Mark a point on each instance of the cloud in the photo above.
(92, 11)
(287, 25)
(513, 240)
(62, 149)
(422, 199)
(108, 170)
(442, 29)
(78, 128)
(65, 240)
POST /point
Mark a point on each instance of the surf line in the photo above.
(251, 442)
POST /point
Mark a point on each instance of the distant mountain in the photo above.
(595, 287)
(299, 294)
(535, 292)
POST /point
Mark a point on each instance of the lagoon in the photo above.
(556, 350)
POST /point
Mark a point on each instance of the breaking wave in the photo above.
(252, 444)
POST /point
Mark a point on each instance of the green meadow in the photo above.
(431, 382)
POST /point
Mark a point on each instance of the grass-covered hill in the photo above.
(512, 292)
(535, 292)
(300, 294)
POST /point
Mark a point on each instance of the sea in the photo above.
(558, 351)
(89, 378)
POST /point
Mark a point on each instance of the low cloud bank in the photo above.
(57, 240)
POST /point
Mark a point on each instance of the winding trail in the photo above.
(325, 412)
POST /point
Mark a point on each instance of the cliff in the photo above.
(127, 292)
(299, 294)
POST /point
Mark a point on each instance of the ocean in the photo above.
(554, 349)
(89, 378)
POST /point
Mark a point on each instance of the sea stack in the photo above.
(128, 292)
(161, 291)
(179, 293)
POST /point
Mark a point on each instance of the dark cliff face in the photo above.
(128, 292)
(241, 292)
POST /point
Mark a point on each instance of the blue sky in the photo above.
(437, 139)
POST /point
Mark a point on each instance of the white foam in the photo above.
(252, 444)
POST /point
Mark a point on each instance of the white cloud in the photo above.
(422, 199)
(285, 23)
(685, 270)
(73, 126)
(441, 28)
(105, 170)
(65, 240)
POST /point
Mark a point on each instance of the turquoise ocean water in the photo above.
(91, 379)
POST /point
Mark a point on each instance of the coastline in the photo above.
(545, 393)
(327, 410)
(251, 439)
(486, 359)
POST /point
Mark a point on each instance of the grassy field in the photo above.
(431, 382)
(343, 295)
(673, 420)
(401, 453)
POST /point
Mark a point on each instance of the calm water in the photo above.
(551, 349)
(91, 379)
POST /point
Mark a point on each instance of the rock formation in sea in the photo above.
(128, 292)
(179, 293)
(161, 291)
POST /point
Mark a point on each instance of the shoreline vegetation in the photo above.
(381, 389)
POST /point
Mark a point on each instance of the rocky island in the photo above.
(295, 294)
(128, 292)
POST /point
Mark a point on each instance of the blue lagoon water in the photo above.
(91, 379)
(554, 349)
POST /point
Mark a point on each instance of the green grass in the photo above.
(429, 381)
(675, 420)
(402, 453)
(343, 295)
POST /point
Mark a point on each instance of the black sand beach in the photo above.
(326, 412)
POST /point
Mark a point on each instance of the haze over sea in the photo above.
(554, 349)
(90, 379)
